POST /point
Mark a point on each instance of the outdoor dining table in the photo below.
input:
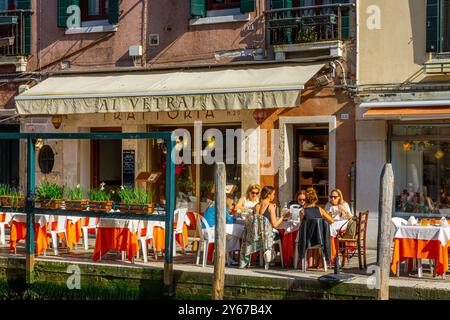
(18, 230)
(116, 234)
(289, 231)
(422, 242)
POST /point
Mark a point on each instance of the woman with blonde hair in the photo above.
(251, 198)
(337, 207)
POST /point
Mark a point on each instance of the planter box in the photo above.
(100, 206)
(52, 204)
(12, 202)
(76, 205)
(136, 208)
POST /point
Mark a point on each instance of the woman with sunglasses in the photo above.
(250, 200)
(337, 207)
(299, 199)
(340, 211)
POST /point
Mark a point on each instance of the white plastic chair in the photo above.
(180, 215)
(148, 236)
(206, 237)
(60, 228)
(2, 232)
(92, 224)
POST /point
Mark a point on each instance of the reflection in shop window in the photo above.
(421, 161)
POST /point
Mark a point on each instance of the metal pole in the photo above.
(220, 232)
(384, 230)
(170, 207)
(29, 242)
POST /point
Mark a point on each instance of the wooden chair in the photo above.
(348, 245)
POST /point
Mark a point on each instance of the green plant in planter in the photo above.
(307, 34)
(206, 186)
(49, 190)
(99, 194)
(74, 194)
(135, 196)
(5, 190)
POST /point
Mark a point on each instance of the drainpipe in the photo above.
(352, 176)
(144, 32)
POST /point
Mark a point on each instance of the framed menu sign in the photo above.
(128, 168)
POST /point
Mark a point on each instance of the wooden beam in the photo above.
(220, 232)
(384, 230)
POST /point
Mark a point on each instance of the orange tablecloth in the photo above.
(420, 249)
(159, 235)
(120, 239)
(74, 233)
(19, 232)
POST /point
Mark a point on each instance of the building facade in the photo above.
(136, 66)
(403, 104)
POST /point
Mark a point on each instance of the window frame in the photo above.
(228, 4)
(84, 6)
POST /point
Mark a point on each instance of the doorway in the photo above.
(9, 158)
(106, 161)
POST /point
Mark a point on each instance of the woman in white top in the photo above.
(337, 207)
(340, 211)
(250, 200)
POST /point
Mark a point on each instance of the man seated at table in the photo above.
(234, 231)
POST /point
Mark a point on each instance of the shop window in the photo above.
(46, 159)
(420, 156)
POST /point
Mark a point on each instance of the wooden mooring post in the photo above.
(384, 230)
(220, 232)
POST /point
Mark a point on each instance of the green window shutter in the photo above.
(434, 42)
(26, 4)
(247, 6)
(279, 4)
(345, 27)
(113, 11)
(62, 11)
(198, 8)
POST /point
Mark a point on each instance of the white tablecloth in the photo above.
(290, 226)
(234, 234)
(42, 219)
(132, 225)
(424, 233)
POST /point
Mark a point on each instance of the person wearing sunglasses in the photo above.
(340, 211)
(299, 199)
(250, 200)
(337, 207)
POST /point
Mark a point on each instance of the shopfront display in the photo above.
(420, 155)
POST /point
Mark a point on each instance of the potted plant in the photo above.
(49, 195)
(99, 199)
(74, 199)
(135, 200)
(185, 184)
(11, 198)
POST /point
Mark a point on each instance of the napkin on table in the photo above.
(412, 221)
(443, 222)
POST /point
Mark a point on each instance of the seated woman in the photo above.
(312, 211)
(233, 234)
(258, 234)
(340, 211)
(299, 199)
(250, 200)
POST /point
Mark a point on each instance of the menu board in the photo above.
(128, 168)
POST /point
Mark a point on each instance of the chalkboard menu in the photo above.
(128, 163)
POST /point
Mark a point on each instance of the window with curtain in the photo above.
(420, 156)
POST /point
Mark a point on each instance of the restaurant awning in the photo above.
(408, 113)
(217, 88)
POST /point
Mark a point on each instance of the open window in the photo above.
(222, 4)
(438, 26)
(92, 10)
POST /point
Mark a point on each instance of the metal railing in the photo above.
(13, 24)
(436, 67)
(309, 24)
